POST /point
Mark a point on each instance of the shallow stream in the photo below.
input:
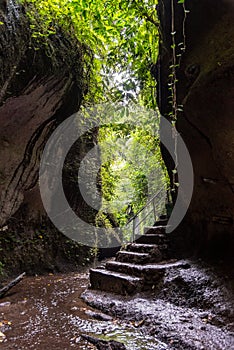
(47, 313)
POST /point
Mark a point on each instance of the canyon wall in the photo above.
(204, 35)
(42, 82)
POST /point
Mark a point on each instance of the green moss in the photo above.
(55, 54)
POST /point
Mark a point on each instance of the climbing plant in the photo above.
(177, 50)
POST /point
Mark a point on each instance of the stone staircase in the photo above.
(138, 266)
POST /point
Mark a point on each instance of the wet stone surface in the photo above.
(191, 308)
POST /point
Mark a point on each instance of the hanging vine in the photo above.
(177, 53)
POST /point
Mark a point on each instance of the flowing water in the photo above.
(191, 310)
(47, 313)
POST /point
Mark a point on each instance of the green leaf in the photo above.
(118, 33)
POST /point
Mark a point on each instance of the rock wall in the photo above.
(205, 88)
(41, 84)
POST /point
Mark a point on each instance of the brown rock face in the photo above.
(26, 122)
(205, 88)
(40, 86)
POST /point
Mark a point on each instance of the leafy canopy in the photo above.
(132, 168)
(122, 35)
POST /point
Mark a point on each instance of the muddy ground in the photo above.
(192, 308)
(46, 312)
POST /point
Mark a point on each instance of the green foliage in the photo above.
(122, 35)
(132, 167)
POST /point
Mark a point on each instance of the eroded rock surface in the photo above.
(203, 32)
(42, 83)
(191, 308)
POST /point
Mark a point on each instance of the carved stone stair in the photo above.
(115, 282)
(158, 239)
(159, 252)
(155, 230)
(133, 257)
(161, 222)
(151, 273)
(141, 248)
(136, 267)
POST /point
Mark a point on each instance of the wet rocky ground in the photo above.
(191, 308)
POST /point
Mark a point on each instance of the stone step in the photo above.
(151, 249)
(151, 273)
(115, 282)
(152, 239)
(161, 222)
(140, 248)
(153, 230)
(133, 257)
